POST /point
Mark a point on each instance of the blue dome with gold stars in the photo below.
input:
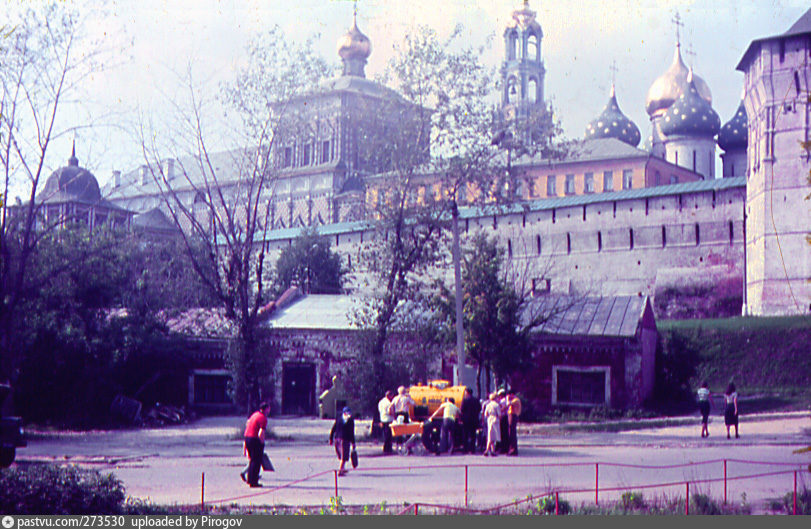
(734, 133)
(612, 123)
(690, 114)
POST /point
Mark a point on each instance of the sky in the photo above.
(159, 38)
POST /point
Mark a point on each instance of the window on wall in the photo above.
(588, 183)
(658, 179)
(287, 157)
(608, 181)
(674, 179)
(580, 387)
(211, 388)
(550, 186)
(325, 151)
(306, 154)
(627, 178)
(570, 184)
(512, 90)
(512, 46)
(533, 51)
(541, 286)
(532, 90)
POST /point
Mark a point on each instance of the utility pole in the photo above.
(459, 375)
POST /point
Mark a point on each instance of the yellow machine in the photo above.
(428, 398)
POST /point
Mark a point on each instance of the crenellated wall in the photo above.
(622, 243)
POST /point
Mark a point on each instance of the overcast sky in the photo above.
(581, 39)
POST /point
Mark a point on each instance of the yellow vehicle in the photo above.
(427, 399)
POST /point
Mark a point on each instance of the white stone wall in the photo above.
(776, 98)
(696, 154)
(734, 163)
(588, 248)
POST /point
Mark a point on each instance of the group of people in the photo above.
(497, 417)
(500, 413)
(730, 408)
(392, 409)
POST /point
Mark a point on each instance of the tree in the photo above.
(441, 155)
(46, 56)
(221, 182)
(94, 327)
(310, 264)
(492, 311)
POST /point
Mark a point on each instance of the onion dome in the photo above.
(524, 18)
(612, 123)
(669, 86)
(690, 114)
(71, 183)
(354, 48)
(733, 134)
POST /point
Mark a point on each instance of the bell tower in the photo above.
(522, 72)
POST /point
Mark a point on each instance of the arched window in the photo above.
(533, 48)
(532, 90)
(512, 89)
(512, 46)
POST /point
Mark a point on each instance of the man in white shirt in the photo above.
(386, 410)
(402, 404)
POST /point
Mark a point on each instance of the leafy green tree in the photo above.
(310, 263)
(495, 338)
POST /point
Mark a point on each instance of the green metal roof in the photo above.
(542, 204)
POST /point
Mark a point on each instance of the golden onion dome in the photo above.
(354, 44)
(670, 85)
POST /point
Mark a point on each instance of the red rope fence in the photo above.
(556, 492)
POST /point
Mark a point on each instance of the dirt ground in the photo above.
(179, 464)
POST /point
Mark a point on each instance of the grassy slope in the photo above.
(761, 355)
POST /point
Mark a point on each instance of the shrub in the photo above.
(53, 489)
(546, 505)
(803, 502)
(633, 500)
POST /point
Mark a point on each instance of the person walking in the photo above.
(513, 412)
(731, 411)
(254, 445)
(471, 409)
(492, 417)
(450, 414)
(704, 408)
(385, 409)
(342, 435)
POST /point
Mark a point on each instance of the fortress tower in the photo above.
(777, 75)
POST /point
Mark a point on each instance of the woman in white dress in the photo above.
(492, 417)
